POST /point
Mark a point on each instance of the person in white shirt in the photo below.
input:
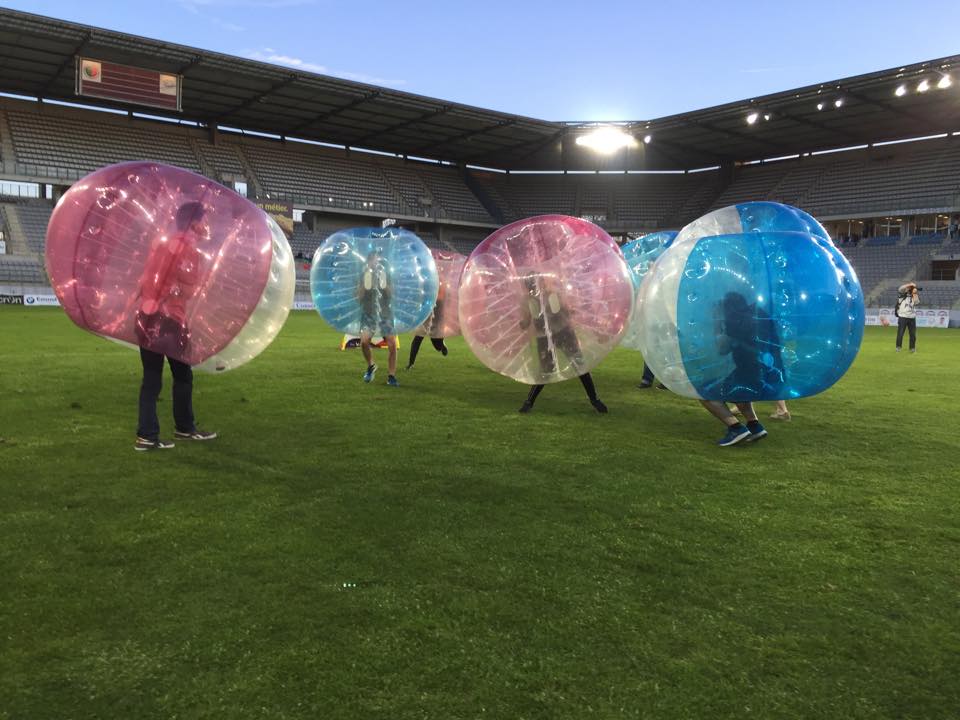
(908, 298)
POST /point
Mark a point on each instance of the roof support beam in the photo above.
(67, 61)
(463, 136)
(818, 125)
(739, 135)
(187, 67)
(258, 97)
(530, 149)
(423, 117)
(887, 106)
(326, 114)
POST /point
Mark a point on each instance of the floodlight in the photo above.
(819, 106)
(607, 140)
(838, 103)
(945, 82)
(901, 91)
(647, 139)
(752, 118)
(923, 86)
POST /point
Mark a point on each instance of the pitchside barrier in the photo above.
(884, 317)
(926, 317)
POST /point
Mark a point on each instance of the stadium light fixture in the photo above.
(819, 106)
(647, 139)
(923, 86)
(901, 91)
(752, 118)
(945, 82)
(766, 116)
(838, 103)
(607, 140)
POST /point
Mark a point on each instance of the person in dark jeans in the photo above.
(906, 311)
(749, 337)
(647, 380)
(170, 280)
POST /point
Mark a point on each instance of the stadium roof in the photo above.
(37, 56)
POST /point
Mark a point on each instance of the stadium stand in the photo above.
(935, 294)
(224, 159)
(319, 179)
(452, 194)
(906, 178)
(879, 265)
(58, 146)
(416, 197)
(34, 218)
(305, 241)
(22, 270)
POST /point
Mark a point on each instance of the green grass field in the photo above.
(358, 551)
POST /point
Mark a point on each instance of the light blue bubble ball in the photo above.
(381, 281)
(640, 254)
(751, 302)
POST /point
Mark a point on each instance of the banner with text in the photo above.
(282, 212)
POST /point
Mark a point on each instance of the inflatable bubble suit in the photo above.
(545, 299)
(640, 254)
(751, 302)
(381, 281)
(444, 320)
(157, 256)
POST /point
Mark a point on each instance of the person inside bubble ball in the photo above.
(172, 277)
(754, 348)
(376, 316)
(546, 313)
(432, 323)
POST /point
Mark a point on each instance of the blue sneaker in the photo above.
(371, 371)
(392, 381)
(757, 431)
(734, 435)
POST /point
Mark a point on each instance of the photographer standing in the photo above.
(908, 298)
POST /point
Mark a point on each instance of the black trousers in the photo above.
(149, 426)
(417, 342)
(586, 380)
(907, 324)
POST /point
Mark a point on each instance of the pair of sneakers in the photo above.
(372, 371)
(752, 432)
(145, 444)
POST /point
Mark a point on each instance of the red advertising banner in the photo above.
(127, 84)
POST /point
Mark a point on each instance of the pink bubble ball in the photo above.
(545, 299)
(444, 321)
(163, 258)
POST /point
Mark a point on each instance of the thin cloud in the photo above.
(227, 25)
(269, 55)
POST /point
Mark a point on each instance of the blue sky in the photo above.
(606, 60)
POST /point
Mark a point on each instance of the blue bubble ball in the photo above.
(381, 281)
(640, 254)
(751, 302)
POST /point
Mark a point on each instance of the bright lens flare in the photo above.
(607, 140)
